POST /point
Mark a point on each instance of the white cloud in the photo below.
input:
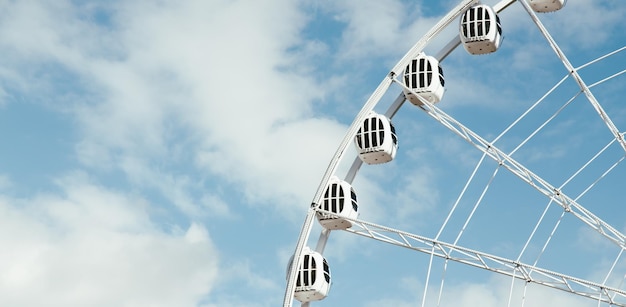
(248, 111)
(210, 86)
(5, 182)
(3, 97)
(375, 30)
(598, 19)
(495, 292)
(182, 82)
(217, 206)
(372, 27)
(573, 27)
(226, 89)
(98, 247)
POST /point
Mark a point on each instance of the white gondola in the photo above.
(376, 139)
(313, 279)
(544, 6)
(340, 199)
(424, 76)
(480, 30)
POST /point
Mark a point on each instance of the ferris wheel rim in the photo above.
(368, 107)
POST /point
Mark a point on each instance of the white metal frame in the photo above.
(451, 251)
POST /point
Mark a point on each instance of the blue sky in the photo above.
(164, 153)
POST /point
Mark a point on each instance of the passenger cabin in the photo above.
(313, 279)
(340, 199)
(424, 77)
(480, 30)
(376, 139)
(544, 6)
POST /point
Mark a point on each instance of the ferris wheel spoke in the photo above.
(513, 278)
(610, 272)
(545, 245)
(601, 177)
(544, 124)
(581, 83)
(534, 231)
(458, 199)
(586, 165)
(607, 78)
(540, 100)
(567, 203)
(501, 265)
(600, 58)
(478, 202)
(469, 10)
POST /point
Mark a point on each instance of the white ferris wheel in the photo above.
(557, 205)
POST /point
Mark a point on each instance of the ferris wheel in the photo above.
(555, 204)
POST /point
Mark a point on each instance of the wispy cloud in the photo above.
(99, 247)
(203, 86)
(191, 115)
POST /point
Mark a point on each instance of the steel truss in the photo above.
(503, 159)
(504, 266)
(452, 252)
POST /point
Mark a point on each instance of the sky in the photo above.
(165, 153)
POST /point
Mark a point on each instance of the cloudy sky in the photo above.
(164, 153)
